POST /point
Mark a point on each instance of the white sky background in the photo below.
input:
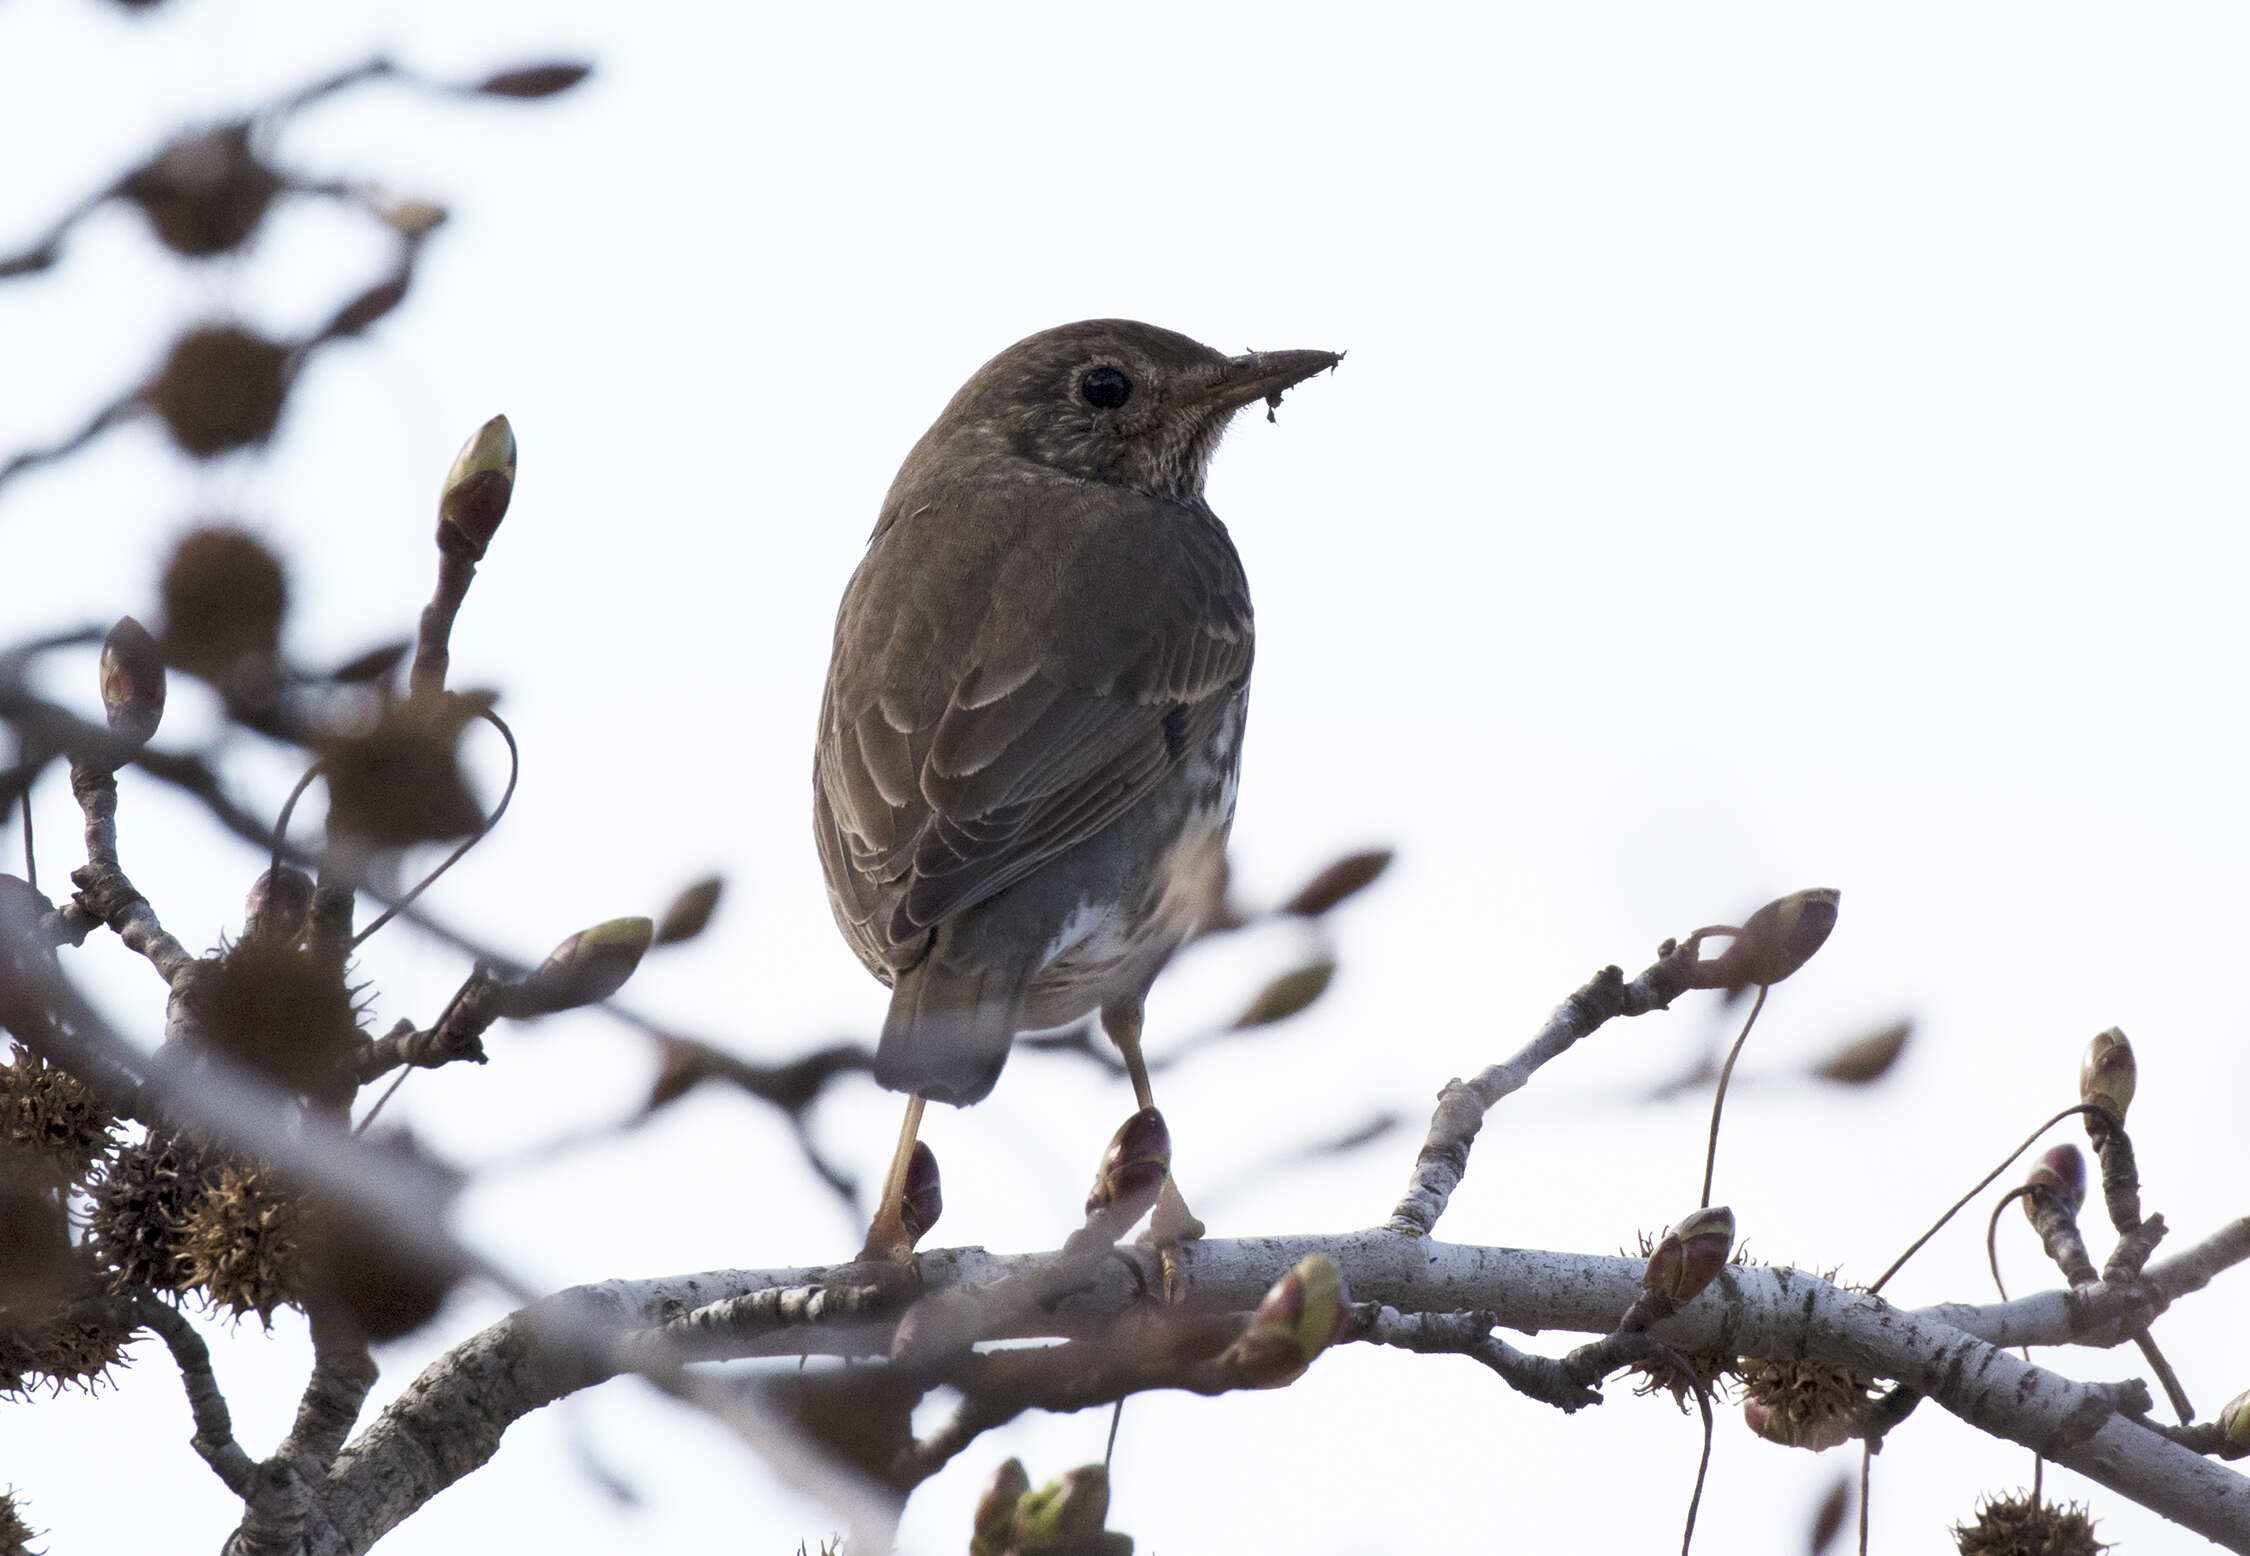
(1779, 447)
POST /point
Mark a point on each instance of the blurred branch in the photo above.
(214, 1426)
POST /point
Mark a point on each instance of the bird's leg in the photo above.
(1171, 1223)
(888, 1238)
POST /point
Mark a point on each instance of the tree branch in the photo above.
(214, 1425)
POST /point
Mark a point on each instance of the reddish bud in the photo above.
(132, 682)
(278, 905)
(1346, 878)
(1690, 1255)
(922, 1200)
(690, 912)
(532, 81)
(2061, 1173)
(1134, 1167)
(477, 489)
(1778, 939)
(2108, 1075)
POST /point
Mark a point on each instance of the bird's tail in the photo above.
(948, 1030)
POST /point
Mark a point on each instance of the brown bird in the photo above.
(1033, 720)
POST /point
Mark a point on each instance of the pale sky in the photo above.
(1780, 446)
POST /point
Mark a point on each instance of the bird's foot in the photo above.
(1171, 1224)
(888, 1240)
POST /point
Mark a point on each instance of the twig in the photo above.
(1444, 1157)
(214, 1426)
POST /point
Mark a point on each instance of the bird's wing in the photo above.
(1010, 678)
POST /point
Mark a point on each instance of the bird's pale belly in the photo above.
(1113, 943)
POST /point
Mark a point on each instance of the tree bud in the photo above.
(690, 912)
(1690, 1255)
(477, 489)
(278, 905)
(1287, 995)
(1134, 1166)
(2234, 1420)
(1063, 1515)
(132, 682)
(584, 970)
(1778, 939)
(996, 1510)
(922, 1201)
(1301, 1316)
(1347, 877)
(2062, 1173)
(2109, 1072)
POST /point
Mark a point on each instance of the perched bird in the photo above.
(1033, 720)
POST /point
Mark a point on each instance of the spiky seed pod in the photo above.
(132, 680)
(1776, 940)
(350, 1260)
(35, 1254)
(50, 1113)
(1133, 1166)
(283, 1011)
(1683, 1376)
(225, 596)
(141, 1202)
(1802, 1404)
(475, 496)
(400, 781)
(15, 1535)
(1301, 1316)
(996, 1510)
(239, 1245)
(584, 970)
(2020, 1526)
(2109, 1073)
(690, 912)
(222, 387)
(71, 1338)
(205, 193)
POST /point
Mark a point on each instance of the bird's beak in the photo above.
(1262, 375)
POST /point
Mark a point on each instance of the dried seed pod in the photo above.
(389, 1284)
(1133, 1166)
(1803, 1404)
(51, 1114)
(205, 193)
(132, 682)
(2010, 1526)
(584, 970)
(401, 781)
(283, 1010)
(141, 1203)
(2109, 1072)
(477, 488)
(224, 599)
(239, 1245)
(222, 387)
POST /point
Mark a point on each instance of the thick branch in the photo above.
(1444, 1158)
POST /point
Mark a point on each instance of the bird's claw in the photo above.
(1170, 1224)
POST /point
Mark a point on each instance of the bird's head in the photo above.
(1113, 401)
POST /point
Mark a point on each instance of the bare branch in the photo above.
(214, 1425)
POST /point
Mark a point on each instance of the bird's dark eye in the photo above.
(1105, 388)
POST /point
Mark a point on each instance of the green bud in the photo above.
(584, 970)
(1063, 1515)
(132, 682)
(1301, 1316)
(2234, 1420)
(2107, 1077)
(996, 1510)
(477, 489)
(1287, 995)
(690, 912)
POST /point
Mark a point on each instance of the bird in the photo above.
(1031, 730)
